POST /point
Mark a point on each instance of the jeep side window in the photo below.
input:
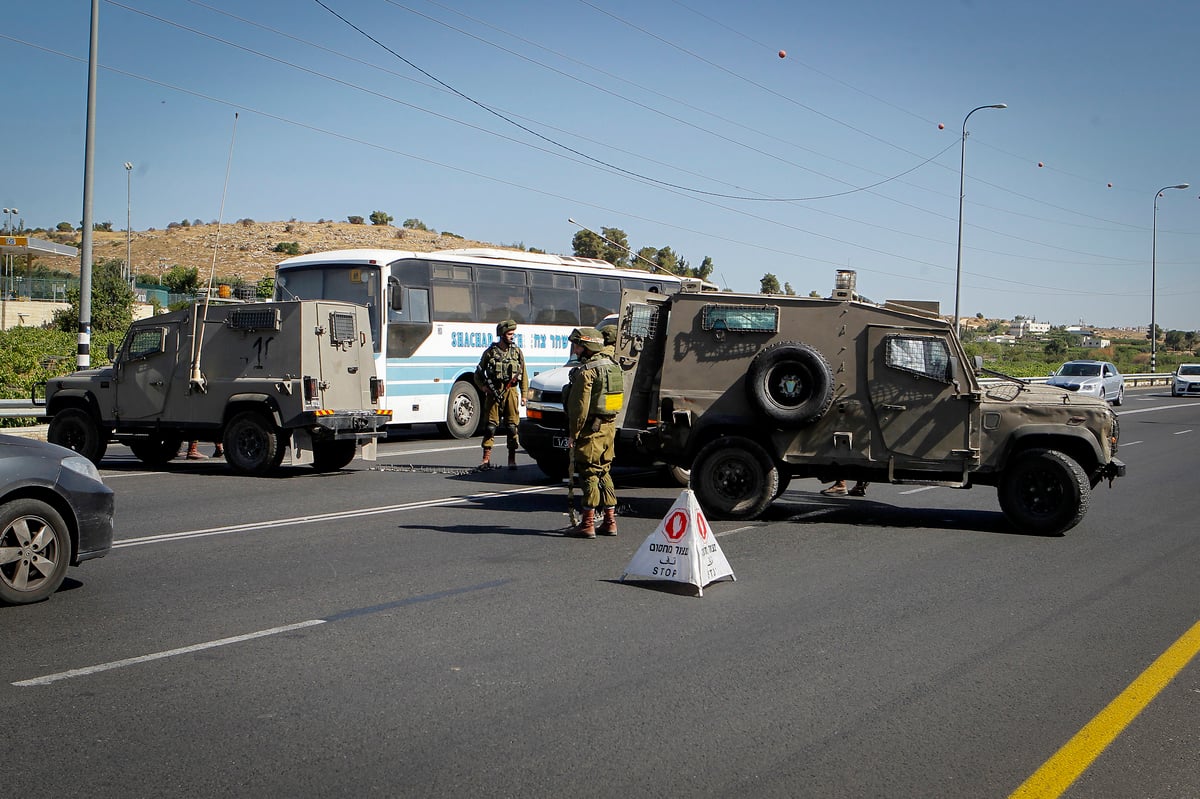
(927, 357)
(145, 343)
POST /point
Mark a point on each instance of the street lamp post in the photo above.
(1153, 254)
(962, 163)
(128, 218)
(8, 228)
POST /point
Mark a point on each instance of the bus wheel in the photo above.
(464, 411)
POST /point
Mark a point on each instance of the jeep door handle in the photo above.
(895, 407)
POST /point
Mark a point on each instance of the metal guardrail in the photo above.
(16, 408)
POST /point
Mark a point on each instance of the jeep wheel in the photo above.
(37, 543)
(1044, 491)
(156, 451)
(253, 445)
(75, 428)
(329, 456)
(734, 478)
(790, 383)
(464, 411)
(679, 475)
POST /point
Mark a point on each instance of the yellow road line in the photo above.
(1057, 773)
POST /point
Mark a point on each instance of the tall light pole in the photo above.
(1153, 253)
(962, 163)
(8, 228)
(128, 218)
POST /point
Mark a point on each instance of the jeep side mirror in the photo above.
(977, 363)
(112, 351)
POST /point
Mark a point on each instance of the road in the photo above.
(418, 629)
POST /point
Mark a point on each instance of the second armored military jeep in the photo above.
(257, 377)
(749, 391)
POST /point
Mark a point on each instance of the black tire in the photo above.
(75, 428)
(39, 543)
(790, 383)
(734, 478)
(465, 412)
(555, 468)
(329, 456)
(1120, 400)
(156, 451)
(1044, 491)
(785, 480)
(253, 445)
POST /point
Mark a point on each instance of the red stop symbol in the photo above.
(702, 527)
(675, 525)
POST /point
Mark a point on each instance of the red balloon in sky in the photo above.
(941, 126)
(783, 53)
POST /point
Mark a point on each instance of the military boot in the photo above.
(609, 527)
(487, 459)
(512, 459)
(586, 527)
(194, 453)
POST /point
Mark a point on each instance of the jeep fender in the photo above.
(74, 398)
(253, 401)
(1077, 442)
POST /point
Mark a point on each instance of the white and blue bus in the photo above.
(432, 315)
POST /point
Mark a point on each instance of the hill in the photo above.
(245, 249)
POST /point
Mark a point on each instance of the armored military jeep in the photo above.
(750, 391)
(256, 377)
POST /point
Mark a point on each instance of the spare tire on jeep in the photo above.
(790, 383)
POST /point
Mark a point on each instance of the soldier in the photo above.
(502, 378)
(593, 398)
(609, 333)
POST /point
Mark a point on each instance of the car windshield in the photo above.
(1192, 369)
(1080, 370)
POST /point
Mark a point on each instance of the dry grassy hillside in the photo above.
(246, 250)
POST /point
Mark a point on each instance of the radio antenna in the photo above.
(197, 380)
(653, 266)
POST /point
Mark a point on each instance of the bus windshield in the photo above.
(356, 284)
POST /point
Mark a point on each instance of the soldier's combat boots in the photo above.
(512, 459)
(609, 527)
(487, 460)
(586, 527)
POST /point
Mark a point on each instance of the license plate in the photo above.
(561, 442)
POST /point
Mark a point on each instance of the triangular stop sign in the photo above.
(681, 549)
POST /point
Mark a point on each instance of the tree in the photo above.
(355, 220)
(181, 279)
(616, 249)
(64, 227)
(586, 244)
(1055, 349)
(669, 261)
(112, 300)
(415, 224)
(788, 290)
(769, 284)
(705, 269)
(380, 218)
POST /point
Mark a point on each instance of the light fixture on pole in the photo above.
(128, 217)
(1153, 253)
(8, 228)
(962, 163)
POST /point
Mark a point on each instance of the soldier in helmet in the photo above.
(503, 380)
(593, 398)
(609, 334)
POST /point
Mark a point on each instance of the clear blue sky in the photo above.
(589, 108)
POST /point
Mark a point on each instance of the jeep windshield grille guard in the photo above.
(741, 318)
(253, 319)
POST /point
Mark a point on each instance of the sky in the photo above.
(774, 136)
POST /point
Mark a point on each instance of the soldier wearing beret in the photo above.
(503, 380)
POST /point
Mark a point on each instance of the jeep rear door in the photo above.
(923, 413)
(640, 344)
(345, 356)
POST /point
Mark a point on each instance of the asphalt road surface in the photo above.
(413, 628)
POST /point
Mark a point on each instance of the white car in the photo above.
(1187, 380)
(1094, 378)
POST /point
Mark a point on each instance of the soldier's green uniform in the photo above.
(593, 398)
(503, 382)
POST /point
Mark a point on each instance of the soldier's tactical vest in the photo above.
(608, 387)
(505, 365)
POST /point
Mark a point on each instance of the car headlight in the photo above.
(82, 465)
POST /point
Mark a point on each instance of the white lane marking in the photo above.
(118, 664)
(405, 453)
(737, 530)
(324, 517)
(1130, 443)
(1181, 432)
(918, 490)
(1170, 407)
